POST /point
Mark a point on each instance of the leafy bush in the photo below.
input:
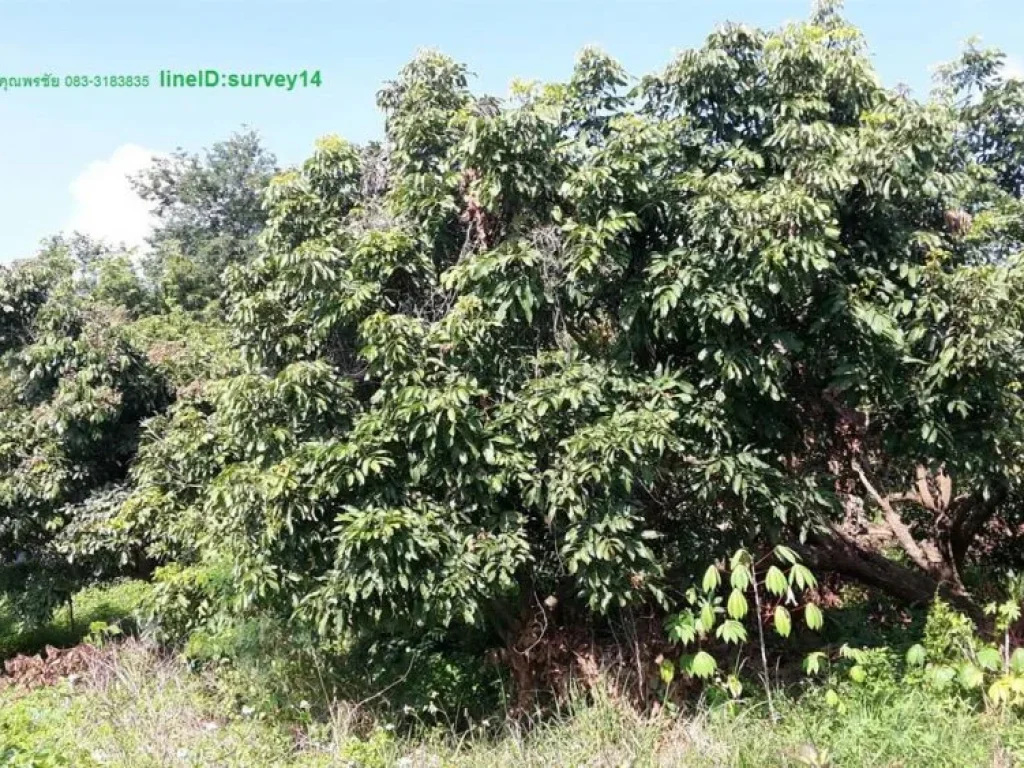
(185, 599)
(73, 392)
(571, 344)
(712, 618)
(34, 733)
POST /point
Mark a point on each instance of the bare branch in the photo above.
(945, 483)
(923, 491)
(899, 529)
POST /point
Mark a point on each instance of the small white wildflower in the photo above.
(404, 762)
(247, 710)
(389, 727)
(182, 753)
(211, 726)
(303, 704)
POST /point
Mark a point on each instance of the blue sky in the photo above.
(63, 152)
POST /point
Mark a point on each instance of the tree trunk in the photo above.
(833, 550)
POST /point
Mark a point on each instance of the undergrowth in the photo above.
(142, 708)
(213, 703)
(106, 604)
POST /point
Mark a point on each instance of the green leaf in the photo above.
(712, 578)
(740, 577)
(734, 686)
(703, 665)
(776, 582)
(1017, 661)
(813, 616)
(802, 577)
(783, 623)
(737, 605)
(682, 628)
(989, 658)
(916, 655)
(858, 674)
(812, 662)
(849, 652)
(707, 618)
(732, 632)
(786, 554)
(667, 669)
(740, 559)
(971, 676)
(942, 676)
(1000, 691)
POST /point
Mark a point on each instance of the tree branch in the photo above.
(968, 520)
(899, 529)
(831, 549)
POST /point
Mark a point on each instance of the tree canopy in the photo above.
(209, 214)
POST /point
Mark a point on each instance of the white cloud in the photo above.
(104, 204)
(1013, 68)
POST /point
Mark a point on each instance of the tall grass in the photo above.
(138, 707)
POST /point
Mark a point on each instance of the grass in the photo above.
(905, 730)
(107, 604)
(142, 708)
(134, 709)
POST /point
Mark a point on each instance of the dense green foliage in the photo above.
(577, 344)
(73, 393)
(538, 362)
(209, 215)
